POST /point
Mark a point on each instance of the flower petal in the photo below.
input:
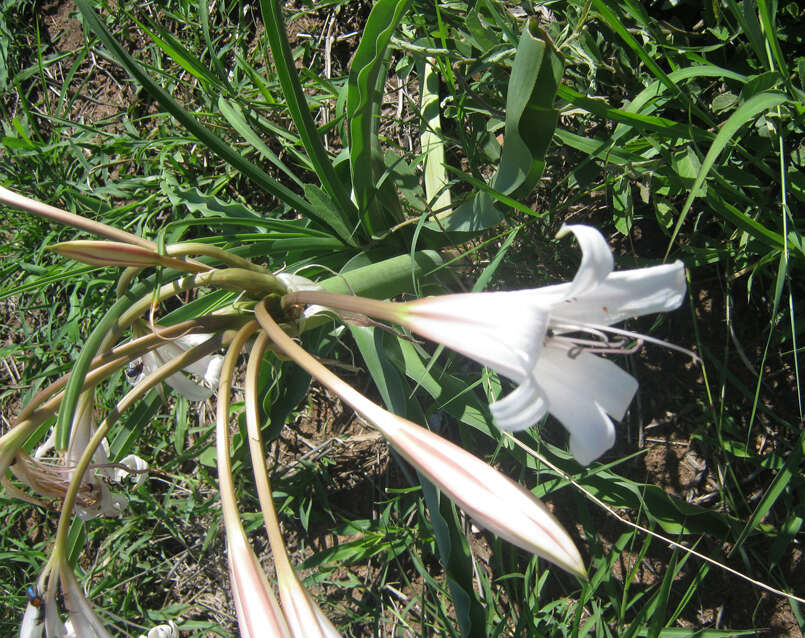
(501, 330)
(596, 259)
(581, 391)
(522, 407)
(585, 377)
(597, 438)
(624, 294)
(82, 616)
(164, 631)
(134, 462)
(184, 386)
(109, 504)
(32, 622)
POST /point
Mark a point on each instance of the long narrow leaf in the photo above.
(362, 103)
(744, 113)
(297, 106)
(530, 124)
(216, 144)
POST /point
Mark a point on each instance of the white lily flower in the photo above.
(207, 368)
(162, 631)
(488, 496)
(526, 336)
(579, 388)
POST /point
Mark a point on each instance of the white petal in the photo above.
(191, 390)
(501, 330)
(596, 258)
(624, 294)
(110, 504)
(587, 377)
(580, 392)
(178, 381)
(178, 347)
(32, 622)
(164, 631)
(134, 462)
(213, 372)
(522, 408)
(598, 437)
(47, 446)
(184, 386)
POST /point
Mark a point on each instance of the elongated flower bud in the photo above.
(493, 500)
(113, 253)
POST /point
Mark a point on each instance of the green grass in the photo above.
(679, 133)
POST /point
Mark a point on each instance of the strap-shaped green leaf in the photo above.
(366, 79)
(744, 113)
(530, 124)
(234, 115)
(207, 137)
(298, 108)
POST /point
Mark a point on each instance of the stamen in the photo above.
(596, 330)
(618, 346)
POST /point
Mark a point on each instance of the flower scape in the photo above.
(550, 342)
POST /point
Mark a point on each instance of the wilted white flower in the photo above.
(207, 368)
(51, 478)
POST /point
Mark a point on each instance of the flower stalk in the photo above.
(305, 619)
(258, 613)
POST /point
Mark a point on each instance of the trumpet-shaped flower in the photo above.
(568, 380)
(207, 368)
(532, 337)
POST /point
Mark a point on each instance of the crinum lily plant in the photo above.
(547, 341)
